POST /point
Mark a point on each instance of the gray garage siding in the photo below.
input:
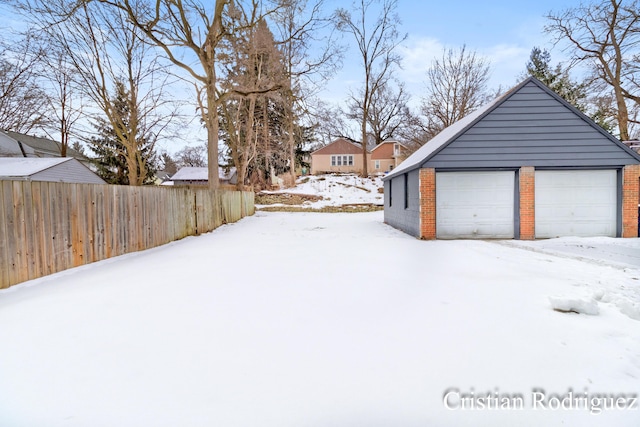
(530, 128)
(396, 215)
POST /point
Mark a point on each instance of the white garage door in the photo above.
(576, 203)
(474, 205)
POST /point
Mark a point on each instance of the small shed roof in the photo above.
(193, 173)
(54, 169)
(27, 166)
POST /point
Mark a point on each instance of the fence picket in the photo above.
(46, 227)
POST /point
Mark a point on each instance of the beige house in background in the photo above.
(386, 156)
(341, 156)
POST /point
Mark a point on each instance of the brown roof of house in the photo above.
(384, 150)
(340, 146)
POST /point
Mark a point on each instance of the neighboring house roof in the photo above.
(9, 147)
(384, 150)
(340, 146)
(163, 175)
(451, 133)
(192, 173)
(633, 144)
(40, 147)
(53, 169)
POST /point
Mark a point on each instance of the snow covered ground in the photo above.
(604, 250)
(337, 190)
(316, 319)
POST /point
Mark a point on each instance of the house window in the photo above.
(342, 160)
(406, 191)
(396, 150)
(377, 164)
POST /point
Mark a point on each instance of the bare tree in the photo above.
(190, 32)
(388, 112)
(376, 44)
(64, 101)
(21, 96)
(329, 123)
(106, 51)
(414, 133)
(195, 156)
(605, 35)
(456, 86)
(308, 61)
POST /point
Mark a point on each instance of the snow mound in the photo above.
(574, 305)
(629, 308)
(626, 306)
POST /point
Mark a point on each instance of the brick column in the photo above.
(427, 203)
(527, 203)
(630, 200)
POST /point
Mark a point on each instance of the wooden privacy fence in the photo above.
(46, 227)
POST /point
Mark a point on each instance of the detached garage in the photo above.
(528, 165)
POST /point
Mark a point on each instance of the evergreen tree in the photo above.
(110, 154)
(556, 78)
(168, 163)
(251, 116)
(598, 108)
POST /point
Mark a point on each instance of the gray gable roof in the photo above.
(9, 147)
(39, 147)
(530, 125)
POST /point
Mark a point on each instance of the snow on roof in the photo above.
(192, 173)
(448, 134)
(443, 138)
(21, 166)
(32, 144)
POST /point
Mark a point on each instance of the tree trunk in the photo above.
(365, 169)
(265, 137)
(292, 151)
(212, 135)
(622, 115)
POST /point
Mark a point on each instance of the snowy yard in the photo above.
(308, 319)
